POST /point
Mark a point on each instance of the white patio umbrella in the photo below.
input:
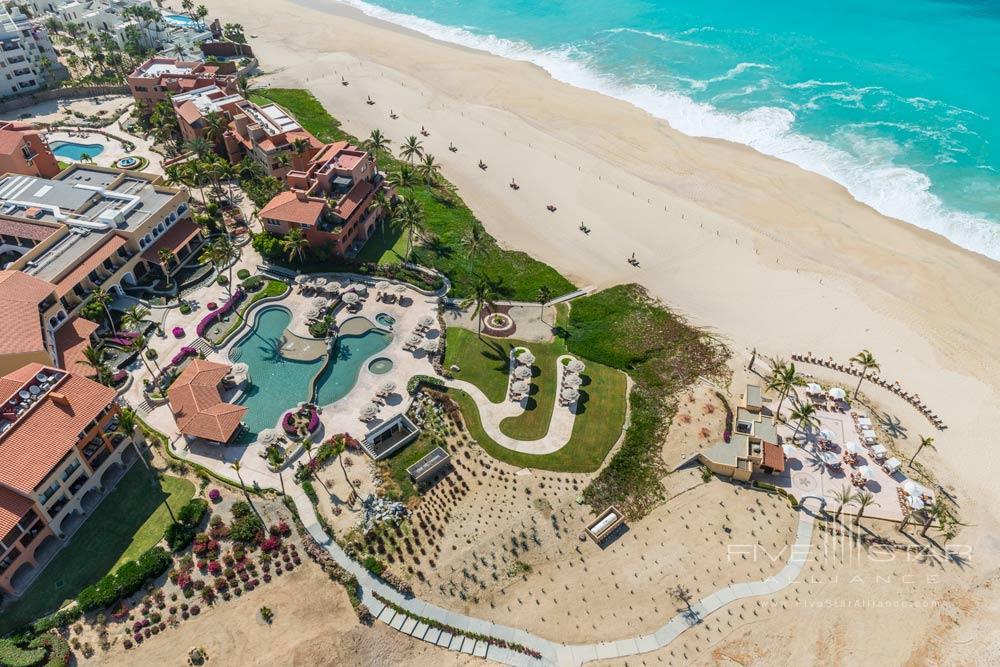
(853, 448)
(312, 313)
(575, 366)
(387, 387)
(915, 503)
(319, 281)
(826, 433)
(569, 394)
(429, 345)
(400, 288)
(829, 458)
(522, 372)
(426, 321)
(301, 279)
(369, 410)
(413, 340)
(526, 358)
(838, 394)
(349, 298)
(333, 286)
(911, 488)
(268, 436)
(571, 380)
(813, 388)
(520, 387)
(382, 285)
(865, 472)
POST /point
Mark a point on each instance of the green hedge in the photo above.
(193, 512)
(12, 655)
(124, 581)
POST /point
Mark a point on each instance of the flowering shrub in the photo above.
(214, 568)
(270, 544)
(178, 332)
(215, 495)
(195, 610)
(185, 352)
(230, 303)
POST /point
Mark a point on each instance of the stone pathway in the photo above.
(552, 653)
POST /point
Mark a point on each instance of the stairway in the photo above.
(202, 346)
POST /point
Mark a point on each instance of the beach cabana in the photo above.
(526, 358)
(892, 465)
(879, 451)
(522, 372)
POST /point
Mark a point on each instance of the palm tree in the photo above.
(475, 241)
(94, 358)
(804, 415)
(411, 149)
(137, 346)
(222, 251)
(215, 126)
(429, 169)
(145, 344)
(128, 423)
(134, 316)
(165, 255)
(376, 142)
(864, 499)
(405, 176)
(295, 244)
(866, 360)
(200, 147)
(104, 299)
(235, 465)
(482, 297)
(543, 296)
(924, 442)
(783, 379)
(410, 217)
(843, 497)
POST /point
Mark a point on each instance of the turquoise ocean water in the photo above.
(898, 100)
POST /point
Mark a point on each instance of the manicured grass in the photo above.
(447, 219)
(126, 523)
(596, 429)
(397, 464)
(387, 246)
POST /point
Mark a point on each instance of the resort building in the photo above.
(159, 77)
(431, 464)
(59, 456)
(92, 227)
(27, 60)
(754, 445)
(23, 150)
(331, 200)
(197, 404)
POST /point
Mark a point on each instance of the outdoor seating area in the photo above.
(520, 373)
(416, 339)
(570, 382)
(875, 378)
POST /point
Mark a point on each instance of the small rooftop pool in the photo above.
(71, 150)
(181, 20)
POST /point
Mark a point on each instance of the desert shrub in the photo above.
(374, 565)
(179, 536)
(184, 308)
(246, 529)
(192, 512)
(243, 274)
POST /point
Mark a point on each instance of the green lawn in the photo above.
(447, 219)
(387, 246)
(403, 459)
(128, 522)
(602, 401)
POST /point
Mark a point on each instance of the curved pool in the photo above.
(72, 150)
(280, 383)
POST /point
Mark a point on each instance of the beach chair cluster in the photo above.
(386, 292)
(875, 378)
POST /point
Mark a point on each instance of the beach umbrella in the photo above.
(853, 448)
(520, 387)
(569, 394)
(813, 388)
(526, 358)
(911, 488)
(312, 313)
(571, 380)
(915, 503)
(575, 366)
(268, 436)
(826, 433)
(382, 285)
(349, 298)
(429, 345)
(413, 340)
(829, 458)
(301, 279)
(319, 282)
(426, 321)
(838, 394)
(387, 387)
(522, 372)
(865, 472)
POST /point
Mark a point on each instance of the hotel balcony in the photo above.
(78, 484)
(57, 507)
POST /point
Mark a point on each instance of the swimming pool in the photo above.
(180, 19)
(279, 383)
(74, 151)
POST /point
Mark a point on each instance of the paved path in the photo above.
(552, 653)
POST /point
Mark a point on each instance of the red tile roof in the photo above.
(42, 437)
(26, 230)
(71, 339)
(287, 207)
(774, 457)
(183, 231)
(197, 403)
(107, 249)
(355, 198)
(21, 328)
(13, 507)
(189, 112)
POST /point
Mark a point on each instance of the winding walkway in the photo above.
(552, 653)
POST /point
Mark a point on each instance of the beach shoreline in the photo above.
(768, 255)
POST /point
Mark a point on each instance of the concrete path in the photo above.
(552, 653)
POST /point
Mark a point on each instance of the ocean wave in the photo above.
(731, 73)
(893, 190)
(658, 36)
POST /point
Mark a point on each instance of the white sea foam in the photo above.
(659, 36)
(893, 190)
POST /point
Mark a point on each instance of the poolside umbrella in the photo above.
(829, 458)
(570, 395)
(268, 436)
(522, 372)
(813, 388)
(413, 340)
(426, 321)
(526, 358)
(520, 387)
(319, 282)
(572, 380)
(369, 411)
(387, 388)
(826, 433)
(429, 345)
(911, 488)
(853, 448)
(301, 279)
(865, 472)
(312, 313)
(349, 298)
(360, 289)
(382, 285)
(400, 288)
(575, 366)
(838, 394)
(915, 503)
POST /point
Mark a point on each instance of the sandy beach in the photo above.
(764, 253)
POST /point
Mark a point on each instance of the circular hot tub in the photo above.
(127, 162)
(380, 365)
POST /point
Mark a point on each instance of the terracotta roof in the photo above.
(197, 403)
(41, 437)
(10, 141)
(774, 457)
(71, 339)
(13, 507)
(20, 324)
(26, 230)
(287, 207)
(329, 151)
(183, 231)
(355, 198)
(189, 112)
(292, 135)
(107, 249)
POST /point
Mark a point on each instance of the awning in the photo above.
(179, 235)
